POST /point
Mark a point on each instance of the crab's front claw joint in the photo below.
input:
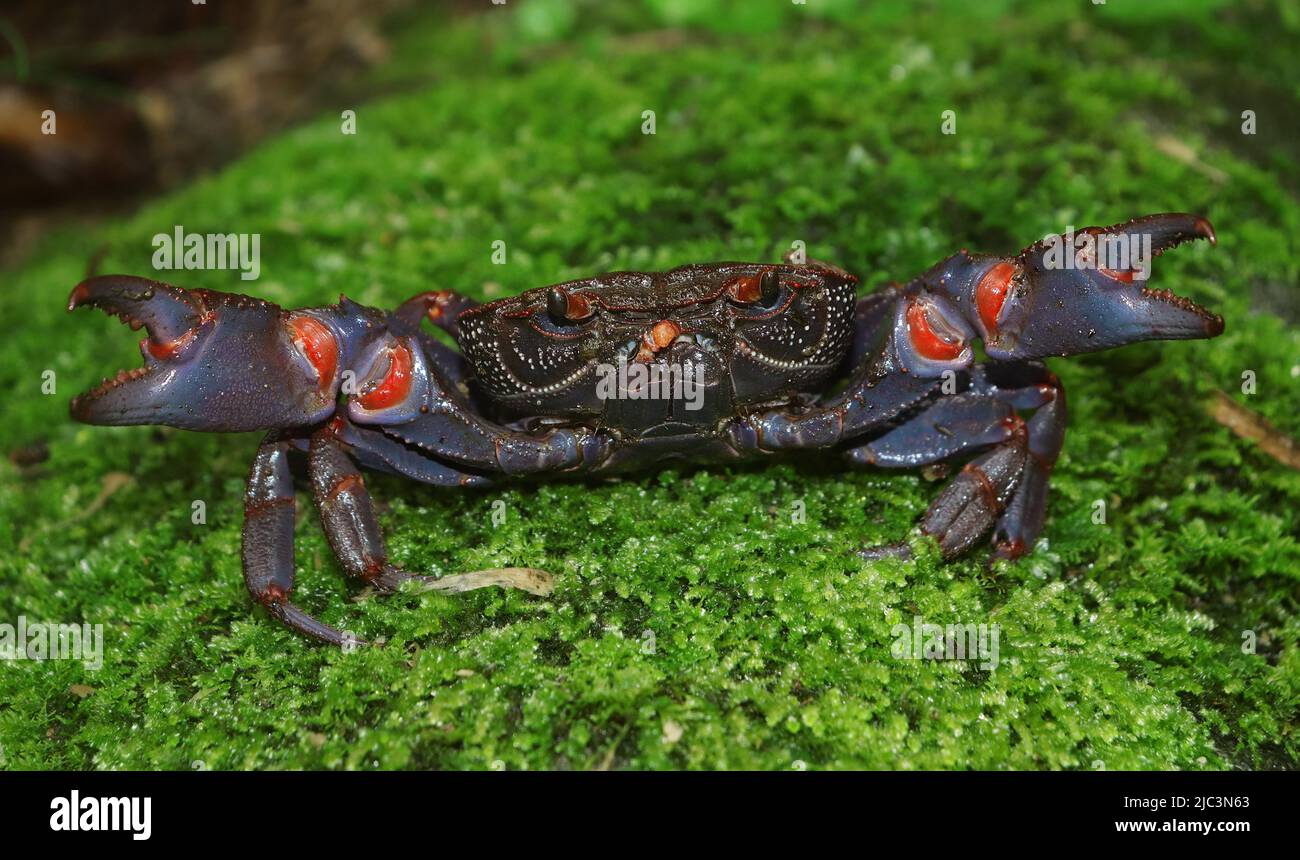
(212, 361)
(1081, 291)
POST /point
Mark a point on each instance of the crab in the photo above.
(717, 362)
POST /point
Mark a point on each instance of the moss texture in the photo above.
(695, 623)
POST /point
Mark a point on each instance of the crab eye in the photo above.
(557, 305)
(566, 308)
(991, 294)
(769, 287)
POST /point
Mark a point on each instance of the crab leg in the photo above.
(1018, 529)
(954, 425)
(347, 514)
(871, 401)
(374, 449)
(448, 430)
(1007, 484)
(972, 501)
(268, 539)
(479, 444)
(440, 307)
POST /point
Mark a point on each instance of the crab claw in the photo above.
(169, 314)
(1081, 292)
(212, 361)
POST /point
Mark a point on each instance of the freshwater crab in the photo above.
(746, 348)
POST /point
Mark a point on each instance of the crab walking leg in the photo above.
(1007, 485)
(450, 431)
(981, 416)
(268, 539)
(956, 518)
(963, 512)
(956, 424)
(374, 449)
(347, 514)
(864, 406)
(1020, 525)
(440, 307)
(353, 531)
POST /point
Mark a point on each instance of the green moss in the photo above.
(695, 622)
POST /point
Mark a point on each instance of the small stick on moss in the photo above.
(528, 579)
(1251, 425)
(1180, 151)
(608, 761)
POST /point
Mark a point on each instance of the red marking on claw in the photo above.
(991, 294)
(396, 384)
(1123, 275)
(925, 340)
(318, 345)
(170, 349)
